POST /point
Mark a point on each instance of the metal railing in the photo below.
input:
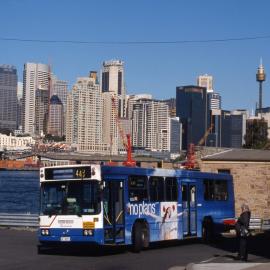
(18, 220)
(255, 223)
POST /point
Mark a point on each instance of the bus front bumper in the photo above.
(70, 236)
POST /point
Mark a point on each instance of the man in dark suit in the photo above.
(242, 230)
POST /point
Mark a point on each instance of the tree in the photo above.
(256, 134)
(6, 131)
(52, 138)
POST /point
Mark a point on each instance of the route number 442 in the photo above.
(80, 173)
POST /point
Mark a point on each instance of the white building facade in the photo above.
(214, 101)
(84, 116)
(15, 143)
(151, 125)
(206, 81)
(110, 122)
(112, 80)
(132, 99)
(35, 77)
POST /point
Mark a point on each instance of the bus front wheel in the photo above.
(140, 237)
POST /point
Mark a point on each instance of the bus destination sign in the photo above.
(68, 173)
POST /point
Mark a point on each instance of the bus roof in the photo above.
(121, 170)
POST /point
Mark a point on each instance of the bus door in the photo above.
(189, 208)
(113, 212)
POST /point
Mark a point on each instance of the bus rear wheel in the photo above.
(140, 237)
(207, 231)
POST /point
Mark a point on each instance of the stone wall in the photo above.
(251, 184)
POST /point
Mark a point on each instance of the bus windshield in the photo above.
(70, 198)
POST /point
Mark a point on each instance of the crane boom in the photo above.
(126, 139)
(202, 140)
(191, 159)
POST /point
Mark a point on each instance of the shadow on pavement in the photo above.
(174, 243)
(258, 245)
(96, 251)
(83, 250)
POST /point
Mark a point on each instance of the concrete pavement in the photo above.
(228, 266)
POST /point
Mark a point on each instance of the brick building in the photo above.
(251, 174)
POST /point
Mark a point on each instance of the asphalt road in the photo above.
(18, 251)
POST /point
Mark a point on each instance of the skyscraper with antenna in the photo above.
(260, 77)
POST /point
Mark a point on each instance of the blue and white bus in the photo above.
(114, 205)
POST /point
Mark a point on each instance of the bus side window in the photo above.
(156, 189)
(171, 189)
(209, 190)
(221, 190)
(137, 188)
(215, 190)
(192, 199)
(184, 193)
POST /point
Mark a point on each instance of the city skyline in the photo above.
(149, 68)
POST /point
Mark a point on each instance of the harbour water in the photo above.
(19, 191)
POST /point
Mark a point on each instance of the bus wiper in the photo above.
(51, 211)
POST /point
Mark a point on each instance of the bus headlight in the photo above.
(88, 232)
(45, 232)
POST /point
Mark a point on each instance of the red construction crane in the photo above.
(126, 140)
(190, 163)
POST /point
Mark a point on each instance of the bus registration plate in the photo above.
(65, 239)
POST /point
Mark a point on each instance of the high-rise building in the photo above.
(71, 120)
(176, 135)
(113, 81)
(19, 114)
(194, 113)
(110, 125)
(19, 90)
(60, 88)
(139, 123)
(8, 97)
(132, 99)
(151, 125)
(41, 112)
(84, 116)
(35, 89)
(172, 106)
(206, 81)
(214, 101)
(214, 131)
(233, 128)
(19, 106)
(56, 122)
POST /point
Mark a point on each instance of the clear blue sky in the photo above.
(155, 69)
